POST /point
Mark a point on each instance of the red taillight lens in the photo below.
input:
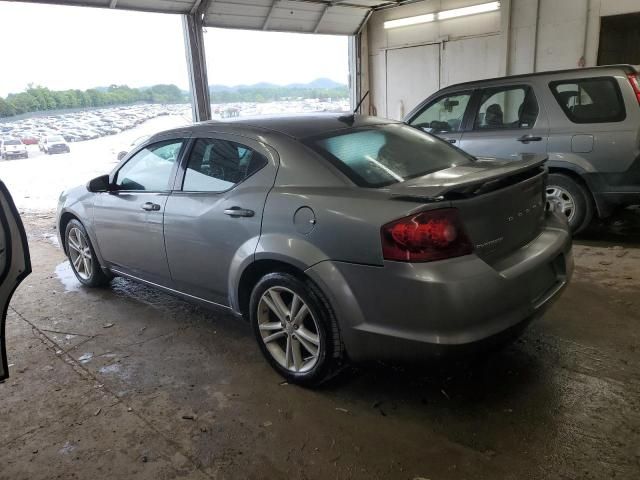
(425, 237)
(634, 79)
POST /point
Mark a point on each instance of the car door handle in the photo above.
(150, 207)
(239, 212)
(451, 140)
(529, 138)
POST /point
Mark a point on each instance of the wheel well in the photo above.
(574, 176)
(64, 220)
(252, 275)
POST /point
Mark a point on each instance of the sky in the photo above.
(72, 47)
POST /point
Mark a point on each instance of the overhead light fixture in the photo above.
(405, 22)
(444, 15)
(472, 10)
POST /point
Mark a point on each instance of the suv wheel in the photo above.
(296, 329)
(572, 199)
(83, 259)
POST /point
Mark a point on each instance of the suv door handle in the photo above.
(529, 138)
(239, 212)
(451, 140)
(150, 207)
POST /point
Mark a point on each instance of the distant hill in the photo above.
(318, 83)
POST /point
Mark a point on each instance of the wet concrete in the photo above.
(126, 382)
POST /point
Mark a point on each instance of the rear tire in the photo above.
(572, 198)
(82, 257)
(296, 329)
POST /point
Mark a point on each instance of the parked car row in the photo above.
(587, 121)
(79, 126)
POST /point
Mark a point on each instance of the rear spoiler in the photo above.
(434, 186)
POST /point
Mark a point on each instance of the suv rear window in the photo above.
(386, 154)
(12, 142)
(590, 100)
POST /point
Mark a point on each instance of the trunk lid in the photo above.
(501, 203)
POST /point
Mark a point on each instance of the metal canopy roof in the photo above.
(337, 17)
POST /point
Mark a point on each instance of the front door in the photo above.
(213, 221)
(15, 263)
(444, 116)
(128, 220)
(507, 122)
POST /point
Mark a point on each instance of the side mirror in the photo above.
(99, 184)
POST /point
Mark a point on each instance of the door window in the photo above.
(150, 169)
(444, 115)
(506, 108)
(217, 165)
(590, 100)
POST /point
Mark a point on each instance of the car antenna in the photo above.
(350, 119)
(360, 102)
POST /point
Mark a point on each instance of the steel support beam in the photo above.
(197, 67)
(113, 3)
(265, 25)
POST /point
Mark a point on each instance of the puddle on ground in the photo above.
(67, 277)
(52, 238)
(86, 357)
(113, 368)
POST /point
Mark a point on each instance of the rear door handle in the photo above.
(529, 138)
(451, 140)
(150, 207)
(239, 212)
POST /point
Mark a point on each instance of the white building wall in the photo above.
(525, 36)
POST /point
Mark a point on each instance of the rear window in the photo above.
(54, 139)
(12, 142)
(590, 100)
(379, 156)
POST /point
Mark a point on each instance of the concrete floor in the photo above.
(126, 382)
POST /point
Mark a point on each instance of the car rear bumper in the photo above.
(15, 154)
(414, 310)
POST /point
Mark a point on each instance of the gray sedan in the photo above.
(337, 237)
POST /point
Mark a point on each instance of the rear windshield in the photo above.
(54, 139)
(590, 100)
(382, 155)
(12, 142)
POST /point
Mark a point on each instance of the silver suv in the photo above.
(586, 120)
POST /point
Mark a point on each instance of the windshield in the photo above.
(382, 155)
(12, 142)
(54, 139)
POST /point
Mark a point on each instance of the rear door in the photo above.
(15, 263)
(444, 116)
(213, 217)
(505, 122)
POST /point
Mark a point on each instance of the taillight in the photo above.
(634, 79)
(425, 237)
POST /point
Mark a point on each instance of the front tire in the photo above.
(296, 329)
(82, 257)
(572, 199)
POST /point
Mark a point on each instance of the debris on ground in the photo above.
(108, 325)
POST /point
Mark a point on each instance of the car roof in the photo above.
(626, 67)
(304, 125)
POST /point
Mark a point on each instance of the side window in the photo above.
(217, 165)
(445, 115)
(150, 169)
(507, 108)
(590, 100)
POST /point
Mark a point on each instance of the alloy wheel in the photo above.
(562, 199)
(289, 329)
(80, 253)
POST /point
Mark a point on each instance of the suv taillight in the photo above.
(634, 79)
(425, 237)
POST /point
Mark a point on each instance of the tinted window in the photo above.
(387, 154)
(506, 108)
(591, 100)
(12, 142)
(150, 169)
(217, 165)
(445, 115)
